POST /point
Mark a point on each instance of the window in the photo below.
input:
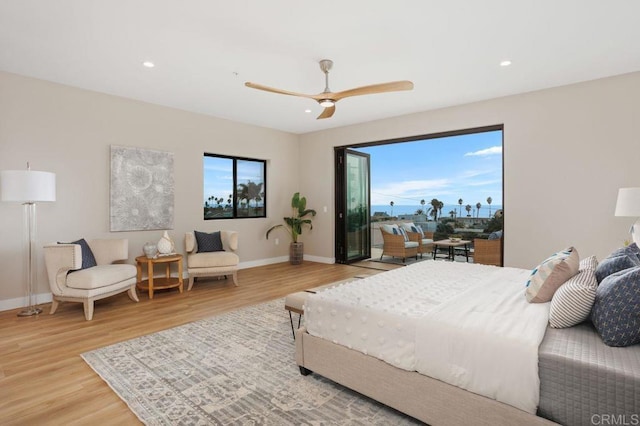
(234, 187)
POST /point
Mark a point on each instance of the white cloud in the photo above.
(494, 150)
(408, 192)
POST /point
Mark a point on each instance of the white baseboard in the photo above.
(262, 262)
(319, 259)
(22, 302)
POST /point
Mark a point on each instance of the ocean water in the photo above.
(410, 209)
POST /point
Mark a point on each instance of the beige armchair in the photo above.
(214, 263)
(87, 285)
(395, 244)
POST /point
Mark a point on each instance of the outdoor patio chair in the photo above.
(397, 244)
(424, 239)
(487, 252)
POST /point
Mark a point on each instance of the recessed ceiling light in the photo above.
(505, 63)
(307, 111)
(148, 64)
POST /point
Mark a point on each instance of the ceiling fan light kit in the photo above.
(328, 99)
(326, 103)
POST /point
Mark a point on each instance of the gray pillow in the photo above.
(621, 259)
(88, 259)
(208, 242)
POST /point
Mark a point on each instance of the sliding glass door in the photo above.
(353, 227)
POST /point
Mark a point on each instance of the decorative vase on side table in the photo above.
(166, 245)
(150, 250)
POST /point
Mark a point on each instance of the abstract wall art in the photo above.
(142, 189)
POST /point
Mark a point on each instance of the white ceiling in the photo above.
(204, 51)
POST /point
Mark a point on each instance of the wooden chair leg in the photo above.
(190, 282)
(133, 295)
(54, 305)
(88, 309)
(235, 278)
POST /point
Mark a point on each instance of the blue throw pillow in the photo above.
(208, 242)
(495, 235)
(88, 259)
(616, 312)
(619, 260)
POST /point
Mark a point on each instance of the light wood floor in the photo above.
(43, 379)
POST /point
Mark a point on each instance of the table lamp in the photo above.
(628, 205)
(28, 187)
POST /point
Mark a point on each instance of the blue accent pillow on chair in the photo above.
(616, 312)
(208, 242)
(88, 259)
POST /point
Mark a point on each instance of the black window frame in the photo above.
(234, 203)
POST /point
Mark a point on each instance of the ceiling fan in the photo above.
(328, 99)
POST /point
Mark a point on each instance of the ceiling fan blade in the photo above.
(328, 112)
(274, 90)
(393, 86)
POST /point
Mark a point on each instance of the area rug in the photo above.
(235, 368)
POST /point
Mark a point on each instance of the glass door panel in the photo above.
(353, 232)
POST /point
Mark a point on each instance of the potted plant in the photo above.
(294, 226)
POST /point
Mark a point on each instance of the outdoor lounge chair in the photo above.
(424, 239)
(396, 245)
(487, 252)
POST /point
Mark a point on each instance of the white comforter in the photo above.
(467, 325)
(486, 340)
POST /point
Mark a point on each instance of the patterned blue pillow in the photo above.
(616, 312)
(400, 231)
(88, 259)
(208, 242)
(619, 260)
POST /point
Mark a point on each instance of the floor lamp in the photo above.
(28, 187)
(628, 204)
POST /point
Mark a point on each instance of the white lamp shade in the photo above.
(27, 186)
(628, 203)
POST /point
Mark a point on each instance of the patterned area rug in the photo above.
(235, 368)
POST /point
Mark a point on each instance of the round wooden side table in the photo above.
(151, 284)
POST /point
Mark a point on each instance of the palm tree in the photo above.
(460, 202)
(489, 200)
(435, 204)
(452, 213)
(478, 205)
(440, 206)
(391, 204)
(468, 209)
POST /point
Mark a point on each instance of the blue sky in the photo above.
(467, 167)
(218, 175)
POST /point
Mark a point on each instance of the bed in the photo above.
(425, 379)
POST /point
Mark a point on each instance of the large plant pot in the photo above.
(296, 253)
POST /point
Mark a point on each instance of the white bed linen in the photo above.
(486, 340)
(377, 315)
(385, 315)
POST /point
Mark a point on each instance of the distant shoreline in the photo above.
(409, 209)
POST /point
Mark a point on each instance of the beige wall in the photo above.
(566, 152)
(69, 131)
